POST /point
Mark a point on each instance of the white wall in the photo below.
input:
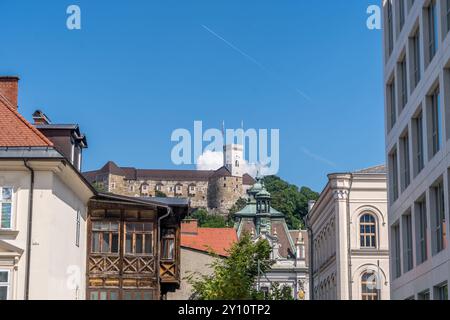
(57, 264)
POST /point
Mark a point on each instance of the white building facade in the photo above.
(43, 210)
(349, 238)
(417, 115)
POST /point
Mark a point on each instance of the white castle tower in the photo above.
(233, 159)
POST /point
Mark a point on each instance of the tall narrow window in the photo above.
(393, 167)
(403, 83)
(401, 14)
(441, 292)
(368, 231)
(392, 105)
(6, 208)
(432, 30)
(405, 167)
(421, 230)
(415, 44)
(407, 243)
(435, 114)
(396, 251)
(418, 144)
(77, 232)
(168, 244)
(390, 27)
(105, 237)
(139, 238)
(438, 218)
(447, 14)
(4, 284)
(369, 290)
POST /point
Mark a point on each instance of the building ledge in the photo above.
(8, 234)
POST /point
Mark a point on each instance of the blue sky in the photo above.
(137, 70)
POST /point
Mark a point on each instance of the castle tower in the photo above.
(233, 159)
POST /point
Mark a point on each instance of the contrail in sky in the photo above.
(319, 158)
(249, 57)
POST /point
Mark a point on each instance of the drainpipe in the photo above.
(29, 231)
(169, 211)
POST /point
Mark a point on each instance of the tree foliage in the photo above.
(238, 206)
(290, 200)
(234, 278)
(278, 292)
(160, 194)
(206, 220)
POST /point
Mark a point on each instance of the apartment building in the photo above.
(417, 116)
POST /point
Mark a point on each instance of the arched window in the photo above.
(236, 164)
(368, 233)
(369, 290)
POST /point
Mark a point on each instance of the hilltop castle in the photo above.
(216, 190)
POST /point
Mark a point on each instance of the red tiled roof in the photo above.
(15, 131)
(209, 240)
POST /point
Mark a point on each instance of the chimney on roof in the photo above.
(9, 89)
(189, 226)
(40, 118)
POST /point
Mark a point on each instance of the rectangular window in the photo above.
(139, 238)
(168, 244)
(137, 295)
(390, 27)
(447, 14)
(392, 109)
(432, 30)
(396, 251)
(424, 295)
(403, 83)
(6, 207)
(405, 166)
(103, 295)
(421, 230)
(105, 237)
(4, 284)
(407, 243)
(441, 292)
(415, 65)
(401, 14)
(393, 167)
(419, 161)
(438, 232)
(435, 122)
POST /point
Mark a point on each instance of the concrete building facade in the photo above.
(417, 117)
(349, 238)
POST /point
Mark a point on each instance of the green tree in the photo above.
(160, 194)
(234, 278)
(278, 292)
(206, 220)
(290, 200)
(238, 206)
